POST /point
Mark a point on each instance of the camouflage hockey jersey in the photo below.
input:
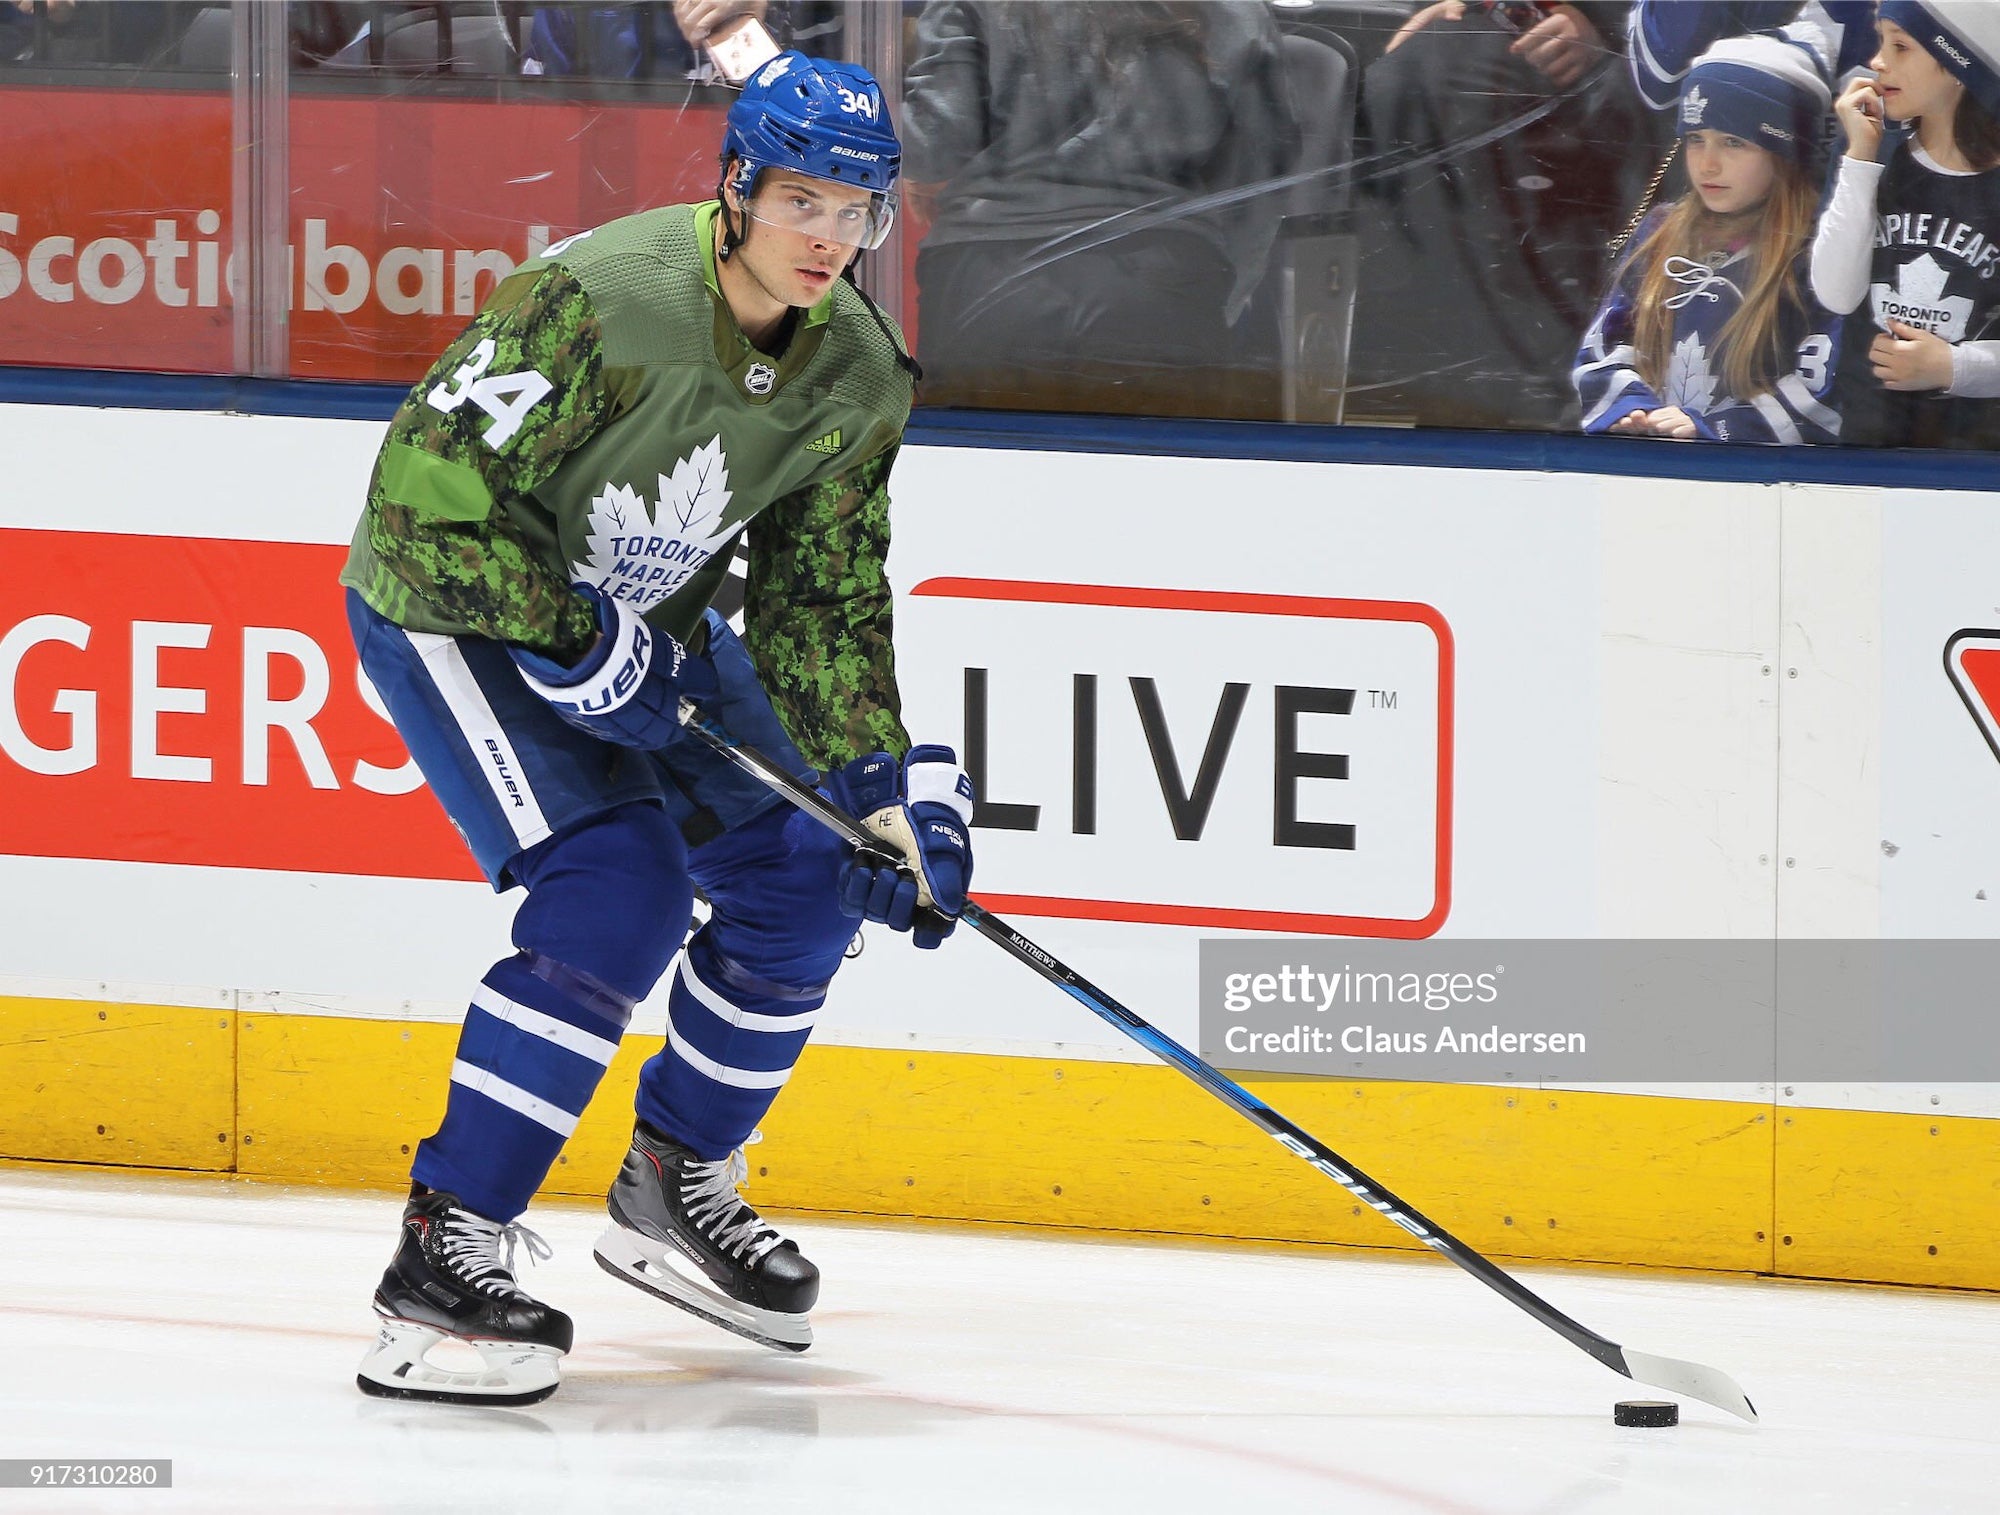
(604, 419)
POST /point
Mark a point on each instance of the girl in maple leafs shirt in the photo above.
(1912, 227)
(1710, 331)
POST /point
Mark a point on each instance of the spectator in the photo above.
(117, 33)
(1071, 262)
(321, 28)
(1709, 332)
(17, 36)
(1664, 37)
(1510, 144)
(657, 41)
(1913, 226)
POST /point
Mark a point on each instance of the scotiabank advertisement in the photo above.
(115, 244)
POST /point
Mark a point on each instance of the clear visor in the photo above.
(862, 225)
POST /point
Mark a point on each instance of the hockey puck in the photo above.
(1646, 1412)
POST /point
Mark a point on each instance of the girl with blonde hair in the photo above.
(1710, 331)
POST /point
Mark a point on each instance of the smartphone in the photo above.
(741, 47)
(1518, 15)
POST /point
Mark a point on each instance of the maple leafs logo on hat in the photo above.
(1694, 107)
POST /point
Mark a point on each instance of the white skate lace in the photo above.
(708, 1190)
(472, 1244)
(1698, 282)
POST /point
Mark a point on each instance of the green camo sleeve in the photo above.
(818, 615)
(522, 386)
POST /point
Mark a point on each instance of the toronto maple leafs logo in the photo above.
(1919, 300)
(641, 555)
(1693, 107)
(1690, 384)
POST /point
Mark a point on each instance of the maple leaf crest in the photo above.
(621, 509)
(1919, 300)
(1689, 383)
(1922, 279)
(641, 555)
(698, 489)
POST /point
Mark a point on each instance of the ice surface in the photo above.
(960, 1369)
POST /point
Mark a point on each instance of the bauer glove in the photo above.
(921, 809)
(627, 689)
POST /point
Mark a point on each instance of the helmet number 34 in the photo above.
(856, 104)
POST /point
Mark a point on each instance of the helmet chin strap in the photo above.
(732, 234)
(904, 360)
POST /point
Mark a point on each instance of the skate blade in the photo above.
(659, 1270)
(514, 1373)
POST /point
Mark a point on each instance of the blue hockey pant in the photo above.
(610, 844)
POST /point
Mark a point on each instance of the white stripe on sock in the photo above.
(515, 1098)
(492, 753)
(731, 1015)
(722, 1073)
(535, 1023)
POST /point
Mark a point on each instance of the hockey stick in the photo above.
(1709, 1385)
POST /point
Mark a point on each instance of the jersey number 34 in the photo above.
(507, 397)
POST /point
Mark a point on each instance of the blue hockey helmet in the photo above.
(822, 119)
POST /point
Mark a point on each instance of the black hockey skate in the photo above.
(681, 1231)
(447, 1282)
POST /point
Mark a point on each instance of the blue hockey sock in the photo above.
(536, 1041)
(732, 1038)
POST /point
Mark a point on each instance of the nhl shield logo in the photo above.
(760, 378)
(1972, 661)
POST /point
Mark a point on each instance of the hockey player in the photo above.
(550, 515)
(1912, 228)
(1710, 331)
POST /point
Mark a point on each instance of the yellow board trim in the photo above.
(147, 1086)
(1867, 1195)
(1105, 1146)
(1521, 1174)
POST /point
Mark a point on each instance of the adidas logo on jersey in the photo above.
(828, 444)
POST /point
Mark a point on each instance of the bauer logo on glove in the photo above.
(627, 689)
(609, 693)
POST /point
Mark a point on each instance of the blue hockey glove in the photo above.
(922, 811)
(628, 687)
